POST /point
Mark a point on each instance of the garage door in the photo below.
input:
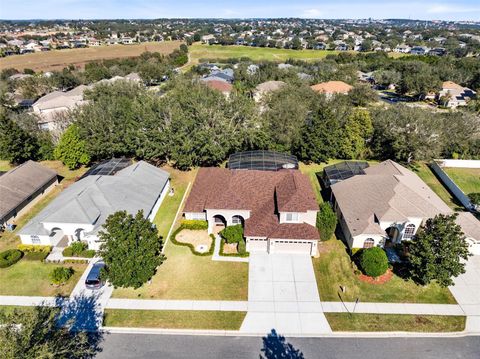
(473, 246)
(257, 245)
(279, 246)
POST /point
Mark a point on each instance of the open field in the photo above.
(10, 239)
(58, 59)
(468, 179)
(32, 278)
(184, 275)
(201, 51)
(333, 269)
(394, 322)
(174, 319)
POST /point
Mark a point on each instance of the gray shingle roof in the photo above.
(92, 199)
(20, 183)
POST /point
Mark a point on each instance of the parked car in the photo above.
(93, 280)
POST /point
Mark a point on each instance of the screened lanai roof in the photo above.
(108, 167)
(342, 171)
(262, 160)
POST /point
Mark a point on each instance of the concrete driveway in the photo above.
(467, 293)
(283, 295)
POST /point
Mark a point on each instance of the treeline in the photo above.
(192, 125)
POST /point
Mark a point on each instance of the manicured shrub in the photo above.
(173, 239)
(326, 221)
(232, 234)
(78, 247)
(61, 275)
(194, 224)
(68, 252)
(89, 253)
(9, 257)
(373, 261)
(27, 248)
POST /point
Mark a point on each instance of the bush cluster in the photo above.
(60, 275)
(241, 250)
(78, 249)
(373, 261)
(232, 234)
(27, 248)
(194, 224)
(9, 257)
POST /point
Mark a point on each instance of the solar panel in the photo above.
(262, 160)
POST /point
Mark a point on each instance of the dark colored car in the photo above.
(93, 280)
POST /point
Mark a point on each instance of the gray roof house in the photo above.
(22, 187)
(390, 202)
(80, 211)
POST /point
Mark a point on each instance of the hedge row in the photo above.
(87, 253)
(193, 224)
(10, 257)
(34, 248)
(242, 251)
(189, 245)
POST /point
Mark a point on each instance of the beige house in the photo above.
(265, 88)
(453, 95)
(277, 209)
(390, 202)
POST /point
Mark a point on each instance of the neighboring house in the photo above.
(54, 103)
(278, 209)
(80, 211)
(389, 202)
(419, 50)
(454, 95)
(208, 39)
(224, 87)
(403, 49)
(331, 88)
(267, 87)
(22, 187)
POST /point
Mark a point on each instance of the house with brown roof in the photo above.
(277, 209)
(331, 88)
(222, 86)
(22, 187)
(389, 202)
(453, 95)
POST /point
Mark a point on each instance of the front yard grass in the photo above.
(333, 269)
(174, 319)
(468, 179)
(343, 322)
(31, 278)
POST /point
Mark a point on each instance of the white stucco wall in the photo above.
(44, 239)
(159, 201)
(227, 214)
(202, 216)
(69, 229)
(309, 217)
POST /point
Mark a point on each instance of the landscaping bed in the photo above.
(334, 269)
(32, 278)
(193, 234)
(78, 249)
(360, 322)
(173, 319)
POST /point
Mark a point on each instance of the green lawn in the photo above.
(333, 269)
(202, 51)
(468, 179)
(10, 239)
(184, 275)
(32, 278)
(174, 319)
(426, 174)
(8, 309)
(4, 166)
(394, 322)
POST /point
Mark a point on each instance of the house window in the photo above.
(237, 220)
(292, 217)
(409, 231)
(35, 239)
(369, 243)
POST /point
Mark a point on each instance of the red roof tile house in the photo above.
(278, 209)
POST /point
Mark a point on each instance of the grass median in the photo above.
(174, 319)
(345, 322)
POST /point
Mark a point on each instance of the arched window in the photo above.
(409, 231)
(237, 220)
(369, 243)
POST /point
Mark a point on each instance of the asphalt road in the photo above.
(197, 347)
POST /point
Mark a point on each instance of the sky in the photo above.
(327, 9)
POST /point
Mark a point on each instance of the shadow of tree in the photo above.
(82, 314)
(276, 347)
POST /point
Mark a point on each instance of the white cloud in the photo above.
(312, 13)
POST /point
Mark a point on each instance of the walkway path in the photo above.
(217, 257)
(283, 294)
